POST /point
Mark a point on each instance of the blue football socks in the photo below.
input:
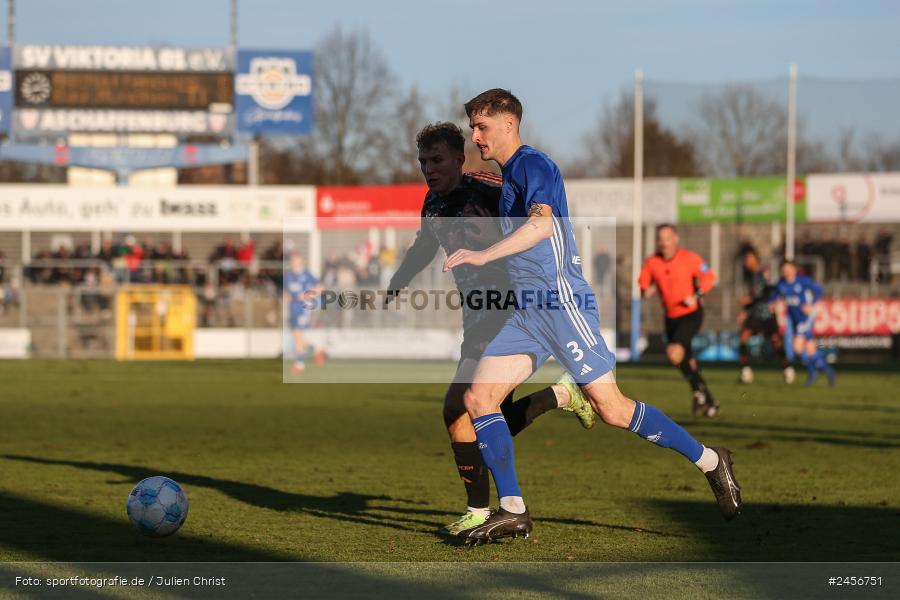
(654, 426)
(496, 445)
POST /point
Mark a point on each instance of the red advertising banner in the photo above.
(361, 207)
(858, 316)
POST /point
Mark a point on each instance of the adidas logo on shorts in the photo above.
(585, 370)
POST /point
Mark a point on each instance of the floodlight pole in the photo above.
(791, 164)
(234, 28)
(253, 150)
(637, 213)
(10, 23)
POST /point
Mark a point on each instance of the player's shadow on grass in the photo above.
(787, 532)
(837, 437)
(61, 533)
(805, 404)
(44, 531)
(343, 506)
(365, 509)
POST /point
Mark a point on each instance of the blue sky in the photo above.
(564, 58)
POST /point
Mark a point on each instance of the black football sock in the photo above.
(473, 472)
(745, 354)
(692, 374)
(522, 413)
(782, 355)
(689, 374)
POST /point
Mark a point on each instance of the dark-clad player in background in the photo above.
(682, 278)
(757, 318)
(460, 210)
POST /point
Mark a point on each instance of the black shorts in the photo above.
(765, 327)
(681, 330)
(480, 333)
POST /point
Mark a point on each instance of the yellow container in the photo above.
(155, 322)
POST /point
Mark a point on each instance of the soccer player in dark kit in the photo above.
(460, 210)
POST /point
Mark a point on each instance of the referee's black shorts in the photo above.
(681, 330)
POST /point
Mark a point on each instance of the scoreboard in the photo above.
(50, 91)
(124, 90)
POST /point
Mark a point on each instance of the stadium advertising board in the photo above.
(273, 91)
(6, 88)
(614, 198)
(748, 200)
(858, 316)
(854, 323)
(128, 158)
(190, 208)
(122, 58)
(59, 89)
(360, 207)
(854, 198)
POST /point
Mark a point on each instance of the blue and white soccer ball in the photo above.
(157, 506)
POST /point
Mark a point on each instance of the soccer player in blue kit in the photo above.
(300, 288)
(800, 294)
(556, 316)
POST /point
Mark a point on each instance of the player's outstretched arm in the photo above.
(537, 228)
(419, 256)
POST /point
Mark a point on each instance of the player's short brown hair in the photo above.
(435, 133)
(493, 102)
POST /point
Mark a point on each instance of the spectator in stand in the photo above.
(809, 247)
(271, 274)
(163, 269)
(883, 242)
(844, 259)
(329, 270)
(38, 274)
(62, 274)
(828, 252)
(134, 253)
(226, 256)
(184, 273)
(107, 252)
(246, 253)
(863, 258)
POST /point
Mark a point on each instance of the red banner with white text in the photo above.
(858, 316)
(361, 207)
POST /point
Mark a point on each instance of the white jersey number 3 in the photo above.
(576, 351)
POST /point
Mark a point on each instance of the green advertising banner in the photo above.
(742, 200)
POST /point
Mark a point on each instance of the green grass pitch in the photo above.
(278, 472)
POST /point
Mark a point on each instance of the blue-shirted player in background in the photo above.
(301, 288)
(556, 316)
(800, 294)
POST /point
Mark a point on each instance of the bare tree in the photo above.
(354, 95)
(881, 155)
(741, 132)
(875, 154)
(399, 143)
(608, 148)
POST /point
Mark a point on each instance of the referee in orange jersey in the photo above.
(682, 278)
